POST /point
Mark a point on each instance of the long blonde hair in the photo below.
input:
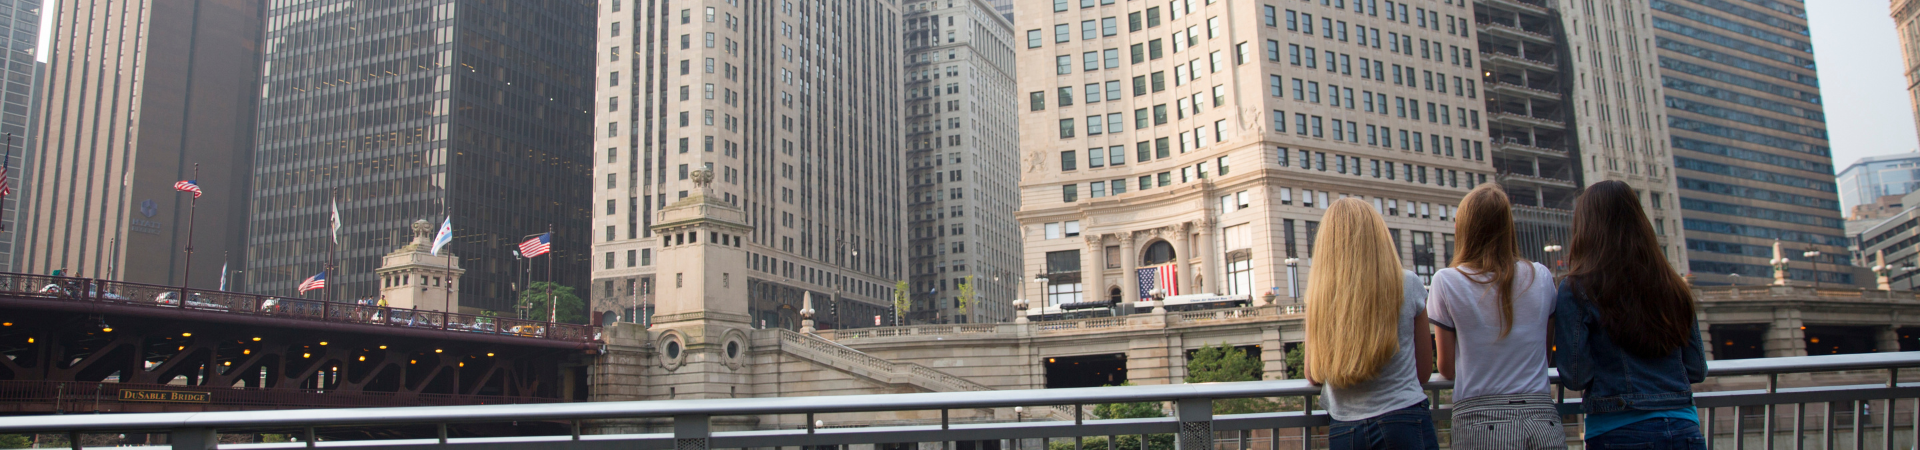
(1353, 296)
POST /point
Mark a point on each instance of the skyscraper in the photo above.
(963, 161)
(135, 95)
(1571, 101)
(1906, 24)
(404, 110)
(1872, 179)
(793, 108)
(1749, 139)
(1188, 138)
(19, 100)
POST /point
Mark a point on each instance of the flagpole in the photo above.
(553, 304)
(193, 208)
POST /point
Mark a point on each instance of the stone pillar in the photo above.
(1706, 339)
(1092, 268)
(1785, 336)
(1129, 269)
(1886, 339)
(1210, 256)
(1182, 254)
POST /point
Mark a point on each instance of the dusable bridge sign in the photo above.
(146, 395)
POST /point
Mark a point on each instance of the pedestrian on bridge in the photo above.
(1368, 342)
(1624, 328)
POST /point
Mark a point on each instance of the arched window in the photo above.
(1113, 295)
(1159, 252)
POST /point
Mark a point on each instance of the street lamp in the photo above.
(1736, 279)
(1293, 279)
(1551, 249)
(1812, 255)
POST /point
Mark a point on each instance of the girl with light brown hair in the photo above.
(1491, 310)
(1368, 342)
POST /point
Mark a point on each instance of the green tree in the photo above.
(15, 441)
(965, 298)
(572, 309)
(1222, 363)
(1297, 362)
(902, 301)
(1135, 410)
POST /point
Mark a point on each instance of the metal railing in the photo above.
(222, 302)
(1193, 422)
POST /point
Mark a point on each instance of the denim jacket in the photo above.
(1611, 379)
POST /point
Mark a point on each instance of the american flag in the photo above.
(538, 245)
(188, 186)
(6, 188)
(317, 281)
(1163, 276)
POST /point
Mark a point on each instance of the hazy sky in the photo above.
(1861, 84)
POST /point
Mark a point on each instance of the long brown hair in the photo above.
(1488, 245)
(1617, 265)
(1353, 296)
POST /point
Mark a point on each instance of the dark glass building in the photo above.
(404, 109)
(1749, 137)
(19, 87)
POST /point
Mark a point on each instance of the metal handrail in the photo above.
(824, 404)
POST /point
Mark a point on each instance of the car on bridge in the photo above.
(173, 299)
(68, 291)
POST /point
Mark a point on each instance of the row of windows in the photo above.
(1750, 155)
(1348, 131)
(1343, 165)
(635, 258)
(1676, 46)
(1728, 7)
(1733, 96)
(1756, 193)
(1760, 251)
(1764, 271)
(1729, 25)
(1070, 193)
(1420, 17)
(1736, 44)
(1708, 226)
(1681, 162)
(1759, 213)
(1681, 123)
(1369, 101)
(1744, 117)
(1677, 65)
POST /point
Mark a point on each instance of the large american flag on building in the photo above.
(1164, 277)
(315, 282)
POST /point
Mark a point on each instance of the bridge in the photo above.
(1826, 415)
(89, 345)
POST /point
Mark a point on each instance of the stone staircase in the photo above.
(825, 352)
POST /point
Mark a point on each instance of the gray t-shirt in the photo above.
(1488, 364)
(1396, 387)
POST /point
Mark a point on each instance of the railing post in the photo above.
(691, 432)
(1196, 424)
(186, 439)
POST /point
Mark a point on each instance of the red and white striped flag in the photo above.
(6, 187)
(317, 281)
(188, 186)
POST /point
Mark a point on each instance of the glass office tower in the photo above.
(404, 110)
(19, 87)
(1750, 142)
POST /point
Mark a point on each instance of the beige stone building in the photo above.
(963, 165)
(793, 110)
(1573, 98)
(1906, 23)
(1210, 135)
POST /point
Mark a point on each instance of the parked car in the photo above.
(92, 292)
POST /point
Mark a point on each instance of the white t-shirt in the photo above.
(1488, 364)
(1396, 386)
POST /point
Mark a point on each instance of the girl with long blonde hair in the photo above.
(1368, 342)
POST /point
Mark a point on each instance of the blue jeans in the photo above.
(1406, 428)
(1652, 434)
